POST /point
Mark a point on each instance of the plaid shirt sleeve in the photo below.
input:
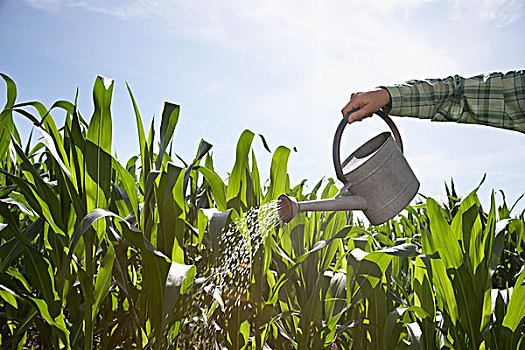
(494, 99)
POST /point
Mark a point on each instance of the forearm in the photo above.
(492, 99)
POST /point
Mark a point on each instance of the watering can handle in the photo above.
(337, 140)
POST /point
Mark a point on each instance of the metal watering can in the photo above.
(377, 179)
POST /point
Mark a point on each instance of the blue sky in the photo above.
(280, 68)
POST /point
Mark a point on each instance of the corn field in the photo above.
(98, 253)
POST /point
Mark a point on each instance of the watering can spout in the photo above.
(289, 207)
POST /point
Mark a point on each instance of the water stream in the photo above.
(225, 290)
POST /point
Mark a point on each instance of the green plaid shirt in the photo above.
(494, 99)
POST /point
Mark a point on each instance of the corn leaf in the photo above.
(100, 126)
(179, 277)
(278, 173)
(171, 225)
(8, 295)
(217, 186)
(7, 126)
(103, 280)
(40, 272)
(57, 322)
(241, 161)
(516, 307)
(129, 186)
(204, 148)
(444, 238)
(444, 290)
(170, 118)
(145, 156)
(423, 293)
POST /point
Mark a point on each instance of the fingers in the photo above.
(349, 106)
(354, 103)
(364, 109)
(359, 115)
(367, 103)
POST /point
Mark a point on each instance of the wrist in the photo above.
(385, 98)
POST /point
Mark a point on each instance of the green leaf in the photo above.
(19, 200)
(367, 270)
(216, 226)
(155, 267)
(423, 289)
(17, 275)
(51, 146)
(55, 147)
(85, 224)
(8, 295)
(329, 190)
(344, 232)
(337, 291)
(392, 328)
(150, 184)
(257, 190)
(49, 130)
(404, 250)
(11, 91)
(6, 118)
(178, 280)
(486, 241)
(36, 189)
(58, 321)
(145, 156)
(103, 281)
(14, 247)
(336, 221)
(204, 148)
(98, 146)
(217, 186)
(516, 308)
(278, 173)
(446, 242)
(241, 161)
(171, 225)
(170, 118)
(444, 289)
(499, 242)
(129, 186)
(40, 272)
(100, 126)
(471, 202)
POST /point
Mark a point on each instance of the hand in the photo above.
(368, 102)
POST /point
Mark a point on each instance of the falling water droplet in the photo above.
(229, 277)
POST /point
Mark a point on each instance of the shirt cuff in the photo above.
(410, 101)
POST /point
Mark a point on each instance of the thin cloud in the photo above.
(300, 23)
(46, 5)
(503, 11)
(500, 12)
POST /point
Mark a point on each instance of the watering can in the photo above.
(376, 179)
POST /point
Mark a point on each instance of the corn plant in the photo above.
(99, 253)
